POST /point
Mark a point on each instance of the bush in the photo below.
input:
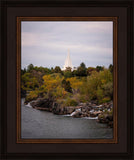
(105, 111)
(66, 85)
(82, 98)
(100, 94)
(106, 99)
(108, 89)
(31, 96)
(68, 74)
(71, 102)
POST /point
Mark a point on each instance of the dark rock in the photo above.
(109, 117)
(70, 109)
(95, 114)
(25, 103)
(57, 109)
(42, 103)
(106, 118)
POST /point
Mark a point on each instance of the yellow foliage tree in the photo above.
(75, 82)
(53, 85)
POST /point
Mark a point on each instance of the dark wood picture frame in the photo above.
(121, 149)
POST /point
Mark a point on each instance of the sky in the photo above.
(46, 43)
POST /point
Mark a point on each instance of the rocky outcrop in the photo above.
(95, 113)
(42, 104)
(50, 105)
(77, 114)
(57, 109)
(91, 109)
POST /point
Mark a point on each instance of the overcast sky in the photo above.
(46, 43)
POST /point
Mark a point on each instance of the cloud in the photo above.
(46, 43)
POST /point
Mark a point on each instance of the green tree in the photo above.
(23, 71)
(83, 65)
(52, 70)
(30, 67)
(98, 85)
(82, 71)
(57, 69)
(67, 74)
(99, 68)
(111, 68)
(66, 85)
(90, 70)
(74, 73)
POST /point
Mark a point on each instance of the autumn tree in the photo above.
(28, 82)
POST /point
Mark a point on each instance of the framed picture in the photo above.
(84, 93)
(67, 79)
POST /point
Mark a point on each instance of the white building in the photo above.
(68, 62)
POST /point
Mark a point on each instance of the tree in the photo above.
(57, 69)
(83, 65)
(81, 71)
(30, 67)
(23, 71)
(67, 74)
(76, 83)
(74, 73)
(111, 68)
(66, 85)
(99, 68)
(28, 82)
(52, 70)
(99, 85)
(90, 70)
(108, 89)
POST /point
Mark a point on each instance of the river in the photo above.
(36, 124)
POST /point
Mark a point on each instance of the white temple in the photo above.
(68, 62)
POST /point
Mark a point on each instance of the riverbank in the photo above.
(103, 113)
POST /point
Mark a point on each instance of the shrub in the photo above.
(66, 85)
(108, 89)
(31, 96)
(67, 74)
(82, 98)
(111, 112)
(71, 102)
(101, 116)
(100, 94)
(105, 111)
(106, 99)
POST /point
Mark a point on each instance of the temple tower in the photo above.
(68, 62)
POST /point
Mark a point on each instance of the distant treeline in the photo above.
(68, 87)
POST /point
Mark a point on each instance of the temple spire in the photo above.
(68, 62)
